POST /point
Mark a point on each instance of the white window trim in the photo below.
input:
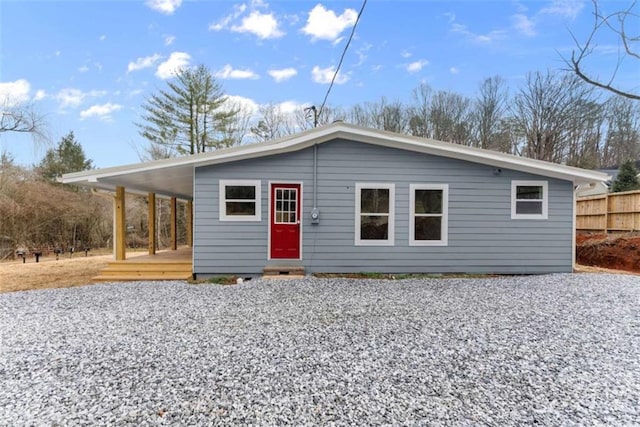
(444, 231)
(223, 201)
(392, 197)
(545, 199)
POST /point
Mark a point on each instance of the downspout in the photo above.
(315, 176)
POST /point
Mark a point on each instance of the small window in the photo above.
(239, 200)
(529, 199)
(374, 214)
(428, 214)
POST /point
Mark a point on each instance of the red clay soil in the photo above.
(616, 252)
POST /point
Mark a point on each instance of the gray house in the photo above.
(342, 198)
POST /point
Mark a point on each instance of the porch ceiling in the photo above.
(173, 181)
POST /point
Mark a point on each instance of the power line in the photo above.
(344, 52)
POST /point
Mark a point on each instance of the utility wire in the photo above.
(344, 52)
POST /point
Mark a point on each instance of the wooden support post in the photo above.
(120, 239)
(152, 223)
(174, 224)
(190, 223)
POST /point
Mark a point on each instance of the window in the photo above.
(375, 214)
(428, 214)
(529, 199)
(286, 212)
(240, 200)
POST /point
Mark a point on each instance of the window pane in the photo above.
(428, 228)
(526, 192)
(428, 201)
(374, 227)
(240, 192)
(374, 200)
(529, 207)
(241, 208)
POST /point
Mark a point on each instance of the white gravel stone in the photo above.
(522, 350)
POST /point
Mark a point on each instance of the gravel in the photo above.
(552, 350)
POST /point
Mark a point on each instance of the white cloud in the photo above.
(524, 25)
(143, 62)
(164, 6)
(326, 25)
(83, 69)
(362, 54)
(564, 8)
(103, 37)
(224, 22)
(247, 105)
(16, 92)
(405, 54)
(101, 111)
(451, 17)
(283, 74)
(454, 70)
(40, 94)
(324, 75)
(489, 37)
(70, 97)
(228, 72)
(290, 107)
(168, 40)
(416, 66)
(263, 25)
(170, 67)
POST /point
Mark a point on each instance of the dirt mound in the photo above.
(615, 252)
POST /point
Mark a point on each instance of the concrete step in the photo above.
(283, 271)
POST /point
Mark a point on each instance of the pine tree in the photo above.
(67, 157)
(627, 179)
(190, 116)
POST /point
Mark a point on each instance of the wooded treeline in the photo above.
(551, 116)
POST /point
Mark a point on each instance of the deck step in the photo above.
(283, 271)
(131, 278)
(118, 271)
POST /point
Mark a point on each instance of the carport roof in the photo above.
(174, 177)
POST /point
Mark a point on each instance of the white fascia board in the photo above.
(350, 132)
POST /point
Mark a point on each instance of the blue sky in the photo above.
(88, 65)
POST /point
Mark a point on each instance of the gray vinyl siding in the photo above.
(482, 237)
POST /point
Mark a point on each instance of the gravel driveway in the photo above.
(550, 350)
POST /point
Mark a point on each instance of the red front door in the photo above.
(285, 221)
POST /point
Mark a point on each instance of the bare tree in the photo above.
(543, 109)
(584, 133)
(419, 120)
(450, 117)
(622, 141)
(22, 118)
(488, 113)
(619, 22)
(272, 124)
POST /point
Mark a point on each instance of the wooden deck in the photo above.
(164, 265)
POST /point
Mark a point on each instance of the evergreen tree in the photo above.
(67, 157)
(190, 116)
(627, 179)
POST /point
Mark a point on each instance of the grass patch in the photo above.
(216, 280)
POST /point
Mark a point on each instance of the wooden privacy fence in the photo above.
(617, 212)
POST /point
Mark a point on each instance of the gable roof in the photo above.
(174, 177)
